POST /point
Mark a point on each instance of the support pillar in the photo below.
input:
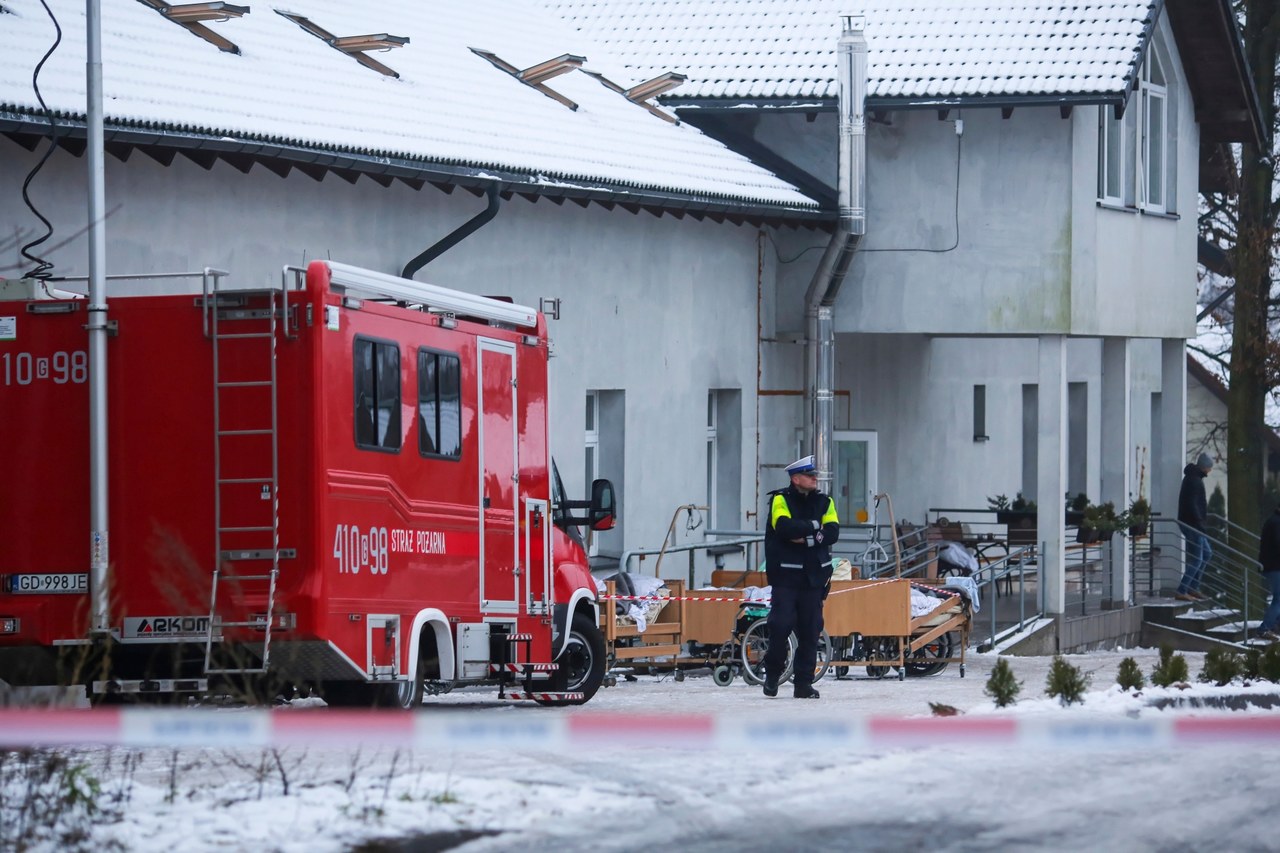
(1051, 473)
(1171, 425)
(1169, 446)
(1116, 462)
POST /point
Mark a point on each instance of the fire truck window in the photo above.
(439, 404)
(377, 389)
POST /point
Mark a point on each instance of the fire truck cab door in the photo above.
(499, 442)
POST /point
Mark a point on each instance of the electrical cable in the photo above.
(42, 267)
(797, 256)
(959, 149)
(956, 214)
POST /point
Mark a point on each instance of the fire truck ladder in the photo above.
(239, 322)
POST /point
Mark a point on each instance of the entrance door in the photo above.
(854, 478)
(499, 577)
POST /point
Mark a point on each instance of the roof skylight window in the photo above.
(192, 17)
(640, 93)
(353, 46)
(536, 75)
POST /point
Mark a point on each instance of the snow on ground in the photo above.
(940, 796)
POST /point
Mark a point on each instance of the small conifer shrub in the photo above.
(1252, 659)
(1129, 676)
(1170, 669)
(1065, 682)
(1002, 687)
(1221, 666)
(1269, 663)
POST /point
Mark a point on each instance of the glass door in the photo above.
(854, 478)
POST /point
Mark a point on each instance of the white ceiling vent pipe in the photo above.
(851, 180)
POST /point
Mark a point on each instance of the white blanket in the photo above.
(966, 587)
(922, 603)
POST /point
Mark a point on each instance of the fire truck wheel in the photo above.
(581, 663)
(409, 693)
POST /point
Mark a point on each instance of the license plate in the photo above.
(53, 583)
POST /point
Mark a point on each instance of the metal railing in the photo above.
(1232, 579)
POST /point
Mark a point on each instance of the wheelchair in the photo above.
(744, 652)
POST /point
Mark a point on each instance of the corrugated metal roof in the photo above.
(448, 106)
(919, 49)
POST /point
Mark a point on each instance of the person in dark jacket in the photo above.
(1193, 512)
(1269, 557)
(801, 528)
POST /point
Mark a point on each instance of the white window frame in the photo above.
(713, 453)
(591, 457)
(1130, 139)
(1155, 147)
(1111, 147)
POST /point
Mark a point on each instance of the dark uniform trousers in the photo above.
(799, 609)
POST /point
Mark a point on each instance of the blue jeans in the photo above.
(1198, 554)
(1272, 617)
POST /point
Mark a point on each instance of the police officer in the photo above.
(801, 528)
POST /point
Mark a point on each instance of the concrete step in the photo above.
(1154, 636)
(1197, 619)
(1233, 632)
(1165, 612)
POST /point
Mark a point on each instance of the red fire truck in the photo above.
(340, 484)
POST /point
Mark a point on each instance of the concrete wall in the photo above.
(1135, 273)
(998, 230)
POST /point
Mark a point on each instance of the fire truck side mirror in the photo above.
(603, 511)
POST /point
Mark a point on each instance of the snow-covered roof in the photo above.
(939, 48)
(928, 52)
(449, 106)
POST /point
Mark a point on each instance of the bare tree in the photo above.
(1246, 226)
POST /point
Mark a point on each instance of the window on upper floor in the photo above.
(1158, 167)
(1138, 151)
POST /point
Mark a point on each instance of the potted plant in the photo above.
(1075, 509)
(1020, 512)
(1099, 521)
(1138, 516)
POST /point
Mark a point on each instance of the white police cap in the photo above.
(804, 465)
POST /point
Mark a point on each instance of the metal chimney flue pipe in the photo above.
(820, 299)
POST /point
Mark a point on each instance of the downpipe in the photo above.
(99, 552)
(459, 234)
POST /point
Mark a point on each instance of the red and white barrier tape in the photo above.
(471, 731)
(683, 598)
(728, 597)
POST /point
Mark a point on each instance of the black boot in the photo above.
(770, 686)
(806, 691)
